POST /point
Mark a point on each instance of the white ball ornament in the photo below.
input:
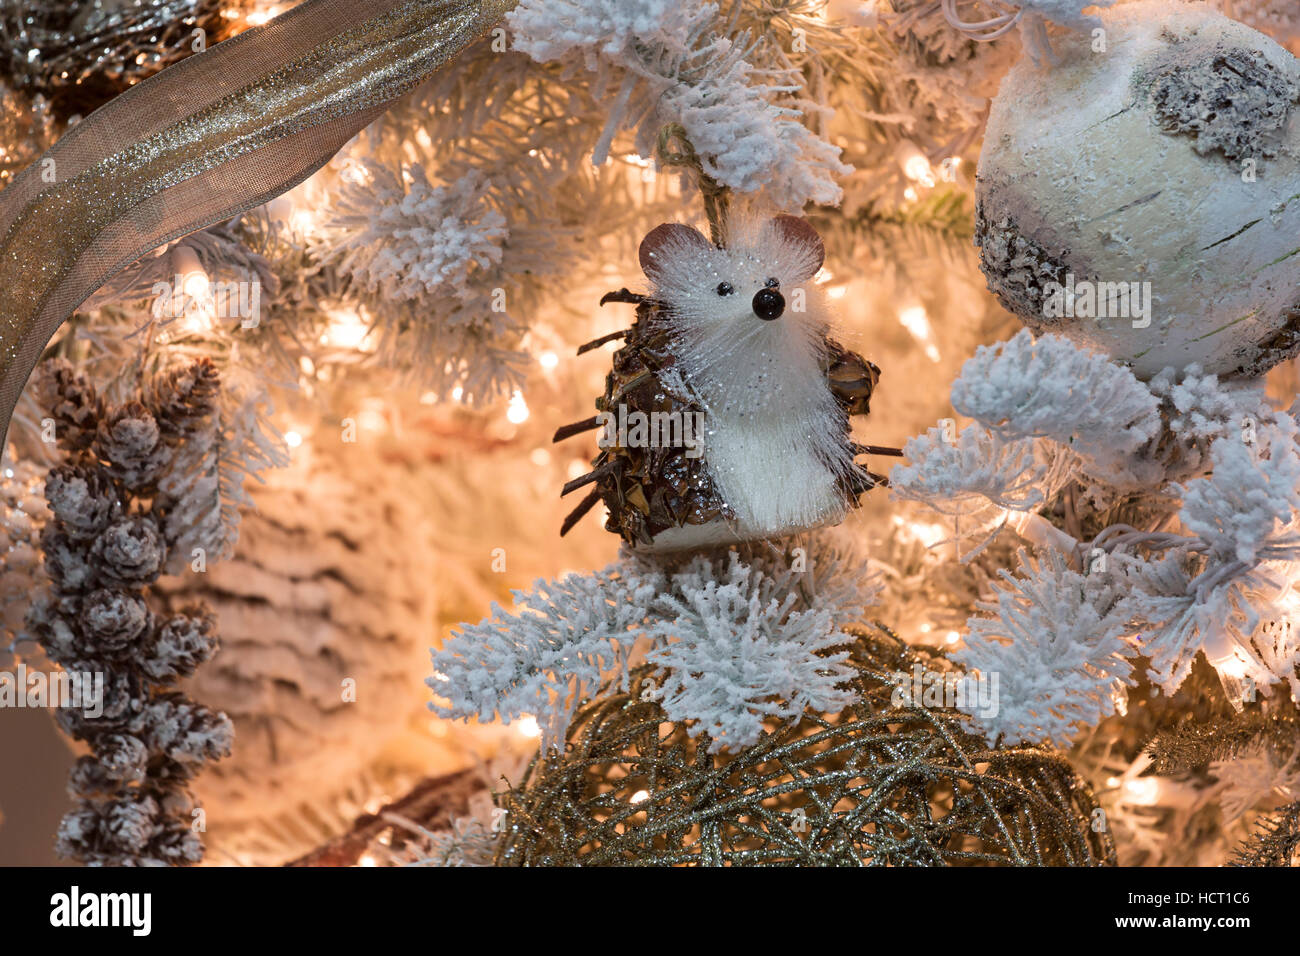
(1142, 195)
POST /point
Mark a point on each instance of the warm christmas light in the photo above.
(926, 532)
(1143, 791)
(517, 412)
(858, 13)
(302, 221)
(372, 418)
(258, 17)
(191, 299)
(916, 320)
(346, 330)
(1233, 668)
(197, 285)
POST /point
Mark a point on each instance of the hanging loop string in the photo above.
(984, 30)
(717, 198)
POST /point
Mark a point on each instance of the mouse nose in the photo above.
(768, 304)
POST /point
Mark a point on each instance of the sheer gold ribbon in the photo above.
(216, 134)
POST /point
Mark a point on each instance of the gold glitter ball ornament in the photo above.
(877, 784)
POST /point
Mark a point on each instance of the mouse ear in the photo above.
(799, 232)
(661, 239)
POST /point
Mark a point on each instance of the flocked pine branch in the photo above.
(398, 235)
(564, 640)
(1256, 778)
(1200, 408)
(430, 258)
(737, 640)
(984, 482)
(1050, 388)
(1246, 509)
(966, 475)
(225, 443)
(1216, 583)
(675, 64)
(1056, 642)
(749, 642)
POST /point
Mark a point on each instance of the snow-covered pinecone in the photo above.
(67, 562)
(103, 550)
(129, 553)
(181, 644)
(185, 732)
(47, 622)
(123, 757)
(121, 705)
(72, 402)
(82, 499)
(130, 440)
(90, 778)
(115, 832)
(177, 844)
(112, 623)
(183, 399)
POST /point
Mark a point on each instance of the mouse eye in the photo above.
(771, 283)
(724, 288)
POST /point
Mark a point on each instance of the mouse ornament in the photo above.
(726, 415)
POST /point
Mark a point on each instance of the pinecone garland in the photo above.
(127, 824)
(90, 777)
(177, 844)
(121, 697)
(66, 559)
(104, 548)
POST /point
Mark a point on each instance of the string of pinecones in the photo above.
(107, 541)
